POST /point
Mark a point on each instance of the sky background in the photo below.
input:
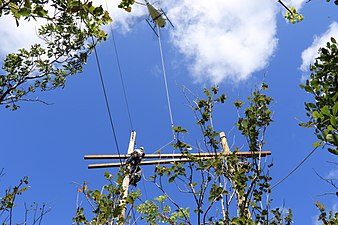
(235, 44)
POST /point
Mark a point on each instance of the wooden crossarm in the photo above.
(170, 158)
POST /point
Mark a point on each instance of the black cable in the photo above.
(292, 171)
(122, 81)
(106, 100)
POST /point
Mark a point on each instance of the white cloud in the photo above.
(224, 40)
(333, 174)
(13, 38)
(309, 54)
(123, 20)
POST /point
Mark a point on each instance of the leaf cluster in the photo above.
(293, 16)
(223, 182)
(126, 5)
(7, 202)
(330, 218)
(107, 204)
(323, 85)
(158, 211)
(257, 118)
(69, 36)
(26, 9)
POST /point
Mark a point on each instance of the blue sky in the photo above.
(233, 43)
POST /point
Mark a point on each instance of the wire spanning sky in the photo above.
(232, 43)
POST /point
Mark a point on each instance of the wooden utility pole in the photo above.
(224, 143)
(126, 179)
(166, 159)
(225, 150)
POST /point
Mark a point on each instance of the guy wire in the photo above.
(106, 100)
(166, 83)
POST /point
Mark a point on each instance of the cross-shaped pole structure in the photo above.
(162, 159)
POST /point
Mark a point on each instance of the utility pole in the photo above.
(126, 179)
(164, 159)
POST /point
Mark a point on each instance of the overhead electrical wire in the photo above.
(294, 169)
(121, 77)
(166, 83)
(106, 100)
(120, 73)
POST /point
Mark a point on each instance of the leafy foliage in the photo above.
(225, 188)
(107, 204)
(330, 218)
(291, 13)
(126, 5)
(154, 213)
(70, 34)
(257, 118)
(26, 9)
(323, 85)
(293, 16)
(323, 112)
(8, 204)
(223, 183)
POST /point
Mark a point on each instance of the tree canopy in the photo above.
(72, 29)
(323, 86)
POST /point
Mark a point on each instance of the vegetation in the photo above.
(237, 189)
(323, 86)
(71, 31)
(7, 206)
(323, 112)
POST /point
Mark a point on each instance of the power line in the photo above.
(120, 72)
(292, 171)
(106, 100)
(121, 77)
(166, 83)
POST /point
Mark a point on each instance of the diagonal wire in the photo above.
(121, 77)
(166, 83)
(120, 72)
(106, 100)
(294, 169)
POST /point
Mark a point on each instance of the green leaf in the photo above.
(265, 86)
(311, 105)
(179, 129)
(333, 150)
(335, 109)
(332, 138)
(317, 144)
(171, 179)
(333, 121)
(238, 104)
(24, 11)
(315, 115)
(325, 110)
